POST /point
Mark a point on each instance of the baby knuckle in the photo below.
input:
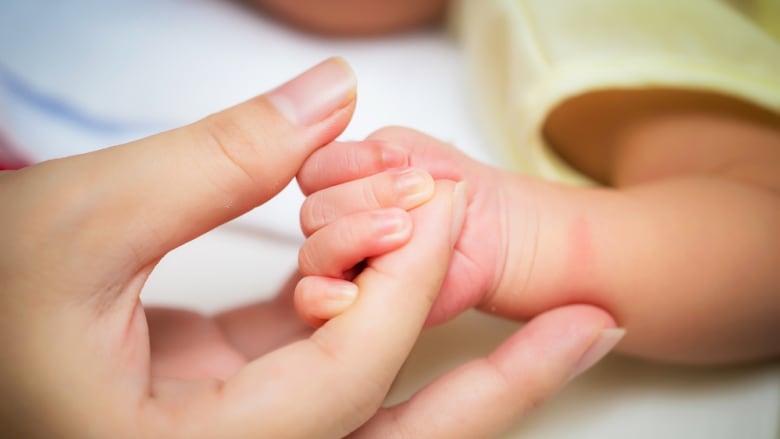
(315, 214)
(307, 261)
(370, 195)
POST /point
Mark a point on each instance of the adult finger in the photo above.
(336, 379)
(405, 188)
(484, 397)
(152, 195)
(340, 162)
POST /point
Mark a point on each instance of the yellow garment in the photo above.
(528, 56)
(765, 13)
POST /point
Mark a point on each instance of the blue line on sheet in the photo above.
(57, 108)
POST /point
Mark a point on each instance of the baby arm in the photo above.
(689, 243)
(687, 263)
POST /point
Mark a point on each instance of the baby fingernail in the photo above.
(459, 206)
(315, 94)
(604, 343)
(413, 187)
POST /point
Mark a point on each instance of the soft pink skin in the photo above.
(480, 251)
(666, 252)
(82, 234)
(518, 376)
(82, 357)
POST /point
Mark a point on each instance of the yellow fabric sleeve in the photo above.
(765, 13)
(528, 56)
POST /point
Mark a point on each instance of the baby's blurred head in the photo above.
(356, 17)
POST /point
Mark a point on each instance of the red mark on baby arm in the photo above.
(583, 280)
(580, 265)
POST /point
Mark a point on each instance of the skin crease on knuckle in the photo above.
(315, 214)
(339, 238)
(230, 142)
(235, 137)
(307, 259)
(369, 193)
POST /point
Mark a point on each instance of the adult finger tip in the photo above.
(315, 94)
(605, 341)
(569, 339)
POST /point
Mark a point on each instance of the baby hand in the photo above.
(533, 364)
(344, 179)
(345, 226)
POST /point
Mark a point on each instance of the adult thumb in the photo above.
(147, 197)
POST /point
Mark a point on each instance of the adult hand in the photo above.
(80, 236)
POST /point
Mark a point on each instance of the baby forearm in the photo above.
(689, 265)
